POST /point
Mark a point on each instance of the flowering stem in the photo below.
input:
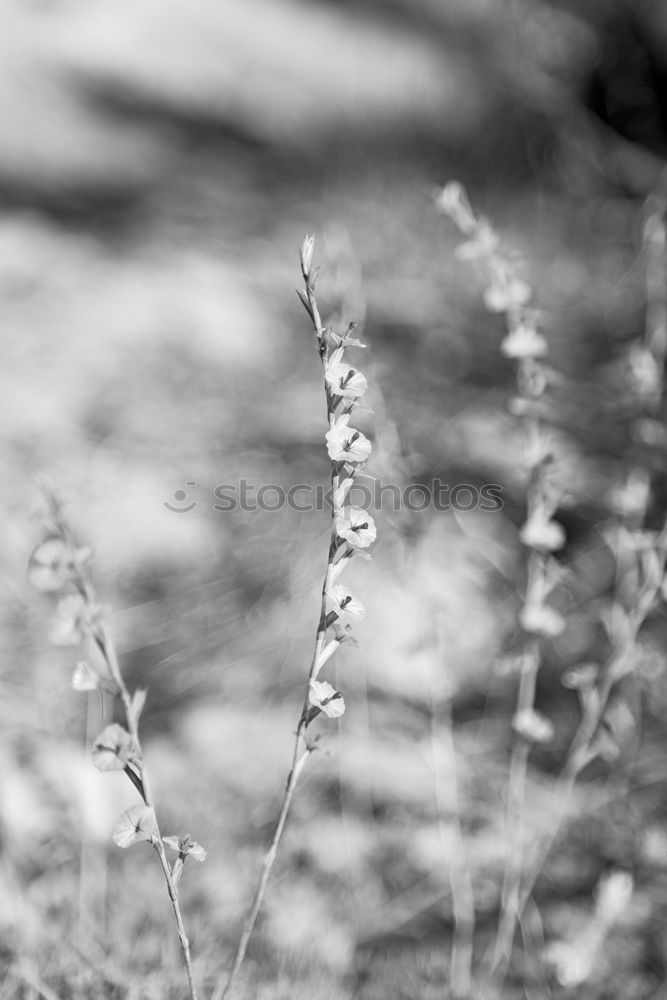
(583, 746)
(339, 551)
(99, 634)
(525, 345)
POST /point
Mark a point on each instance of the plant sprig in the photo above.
(352, 531)
(60, 567)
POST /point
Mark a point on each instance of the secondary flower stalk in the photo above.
(59, 567)
(526, 346)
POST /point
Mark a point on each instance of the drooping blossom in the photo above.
(325, 697)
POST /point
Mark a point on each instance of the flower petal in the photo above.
(325, 697)
(50, 565)
(112, 749)
(345, 381)
(357, 527)
(135, 825)
(542, 620)
(345, 604)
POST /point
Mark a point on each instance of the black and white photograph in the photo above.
(333, 514)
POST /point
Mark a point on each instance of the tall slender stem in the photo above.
(108, 651)
(99, 635)
(339, 551)
(297, 767)
(458, 869)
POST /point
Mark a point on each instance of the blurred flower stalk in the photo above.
(58, 566)
(526, 346)
(607, 728)
(352, 531)
(639, 552)
(607, 725)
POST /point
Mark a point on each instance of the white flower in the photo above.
(113, 749)
(500, 297)
(345, 604)
(356, 527)
(453, 200)
(345, 444)
(186, 845)
(541, 620)
(345, 381)
(135, 825)
(532, 726)
(524, 342)
(541, 533)
(325, 697)
(50, 565)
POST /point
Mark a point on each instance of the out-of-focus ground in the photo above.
(159, 166)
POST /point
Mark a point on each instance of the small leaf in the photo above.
(652, 567)
(347, 340)
(620, 723)
(326, 654)
(135, 825)
(113, 749)
(137, 704)
(305, 303)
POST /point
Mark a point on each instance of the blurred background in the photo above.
(160, 164)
